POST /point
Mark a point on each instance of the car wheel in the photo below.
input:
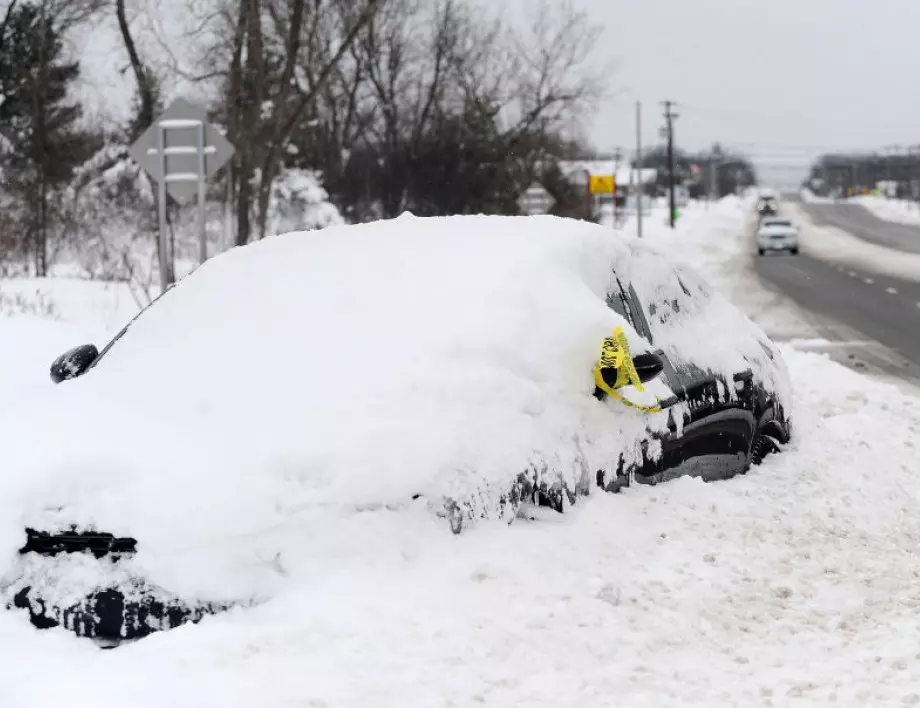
(794, 250)
(763, 445)
(760, 251)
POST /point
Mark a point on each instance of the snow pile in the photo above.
(811, 198)
(900, 211)
(299, 203)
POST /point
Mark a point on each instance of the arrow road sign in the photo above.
(180, 124)
(536, 200)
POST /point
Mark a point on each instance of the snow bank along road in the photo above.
(856, 287)
(798, 584)
(862, 223)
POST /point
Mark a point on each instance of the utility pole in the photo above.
(889, 151)
(914, 191)
(617, 156)
(639, 169)
(669, 117)
(715, 160)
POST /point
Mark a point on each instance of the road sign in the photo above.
(180, 125)
(536, 200)
(602, 184)
(181, 151)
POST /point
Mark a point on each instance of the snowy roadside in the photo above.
(838, 246)
(900, 211)
(792, 585)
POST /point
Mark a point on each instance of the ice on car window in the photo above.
(676, 297)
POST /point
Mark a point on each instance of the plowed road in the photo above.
(876, 317)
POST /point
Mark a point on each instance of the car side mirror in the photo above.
(74, 362)
(648, 365)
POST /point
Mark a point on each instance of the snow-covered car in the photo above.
(443, 366)
(767, 205)
(775, 234)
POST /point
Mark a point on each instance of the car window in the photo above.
(673, 300)
(616, 300)
(622, 299)
(777, 222)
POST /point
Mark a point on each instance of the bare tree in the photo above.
(442, 68)
(143, 75)
(408, 53)
(322, 60)
(274, 57)
(535, 79)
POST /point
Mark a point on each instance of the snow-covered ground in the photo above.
(794, 585)
(901, 211)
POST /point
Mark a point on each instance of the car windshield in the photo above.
(777, 222)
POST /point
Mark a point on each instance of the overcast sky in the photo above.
(780, 79)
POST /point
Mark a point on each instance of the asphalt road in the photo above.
(863, 224)
(854, 305)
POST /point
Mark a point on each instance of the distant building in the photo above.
(628, 180)
(578, 171)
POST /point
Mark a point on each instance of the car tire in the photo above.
(763, 445)
(760, 251)
(794, 250)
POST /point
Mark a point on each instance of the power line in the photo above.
(799, 119)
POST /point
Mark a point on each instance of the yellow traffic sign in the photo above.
(603, 184)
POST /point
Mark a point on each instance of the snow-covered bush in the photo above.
(116, 227)
(299, 203)
(113, 219)
(19, 303)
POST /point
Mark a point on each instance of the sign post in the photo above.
(181, 151)
(639, 175)
(536, 200)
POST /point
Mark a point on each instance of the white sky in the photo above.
(780, 79)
